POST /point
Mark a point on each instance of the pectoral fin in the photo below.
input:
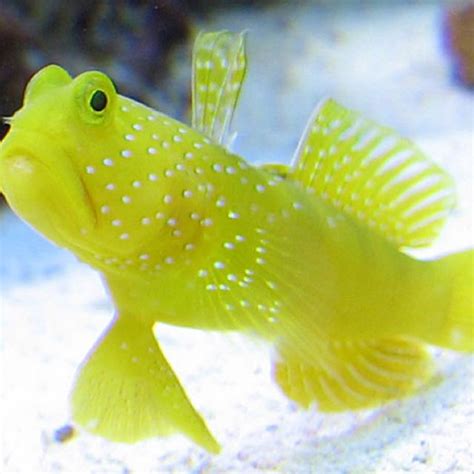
(354, 375)
(126, 390)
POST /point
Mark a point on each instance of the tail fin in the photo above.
(457, 332)
(127, 391)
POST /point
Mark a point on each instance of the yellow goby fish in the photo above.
(310, 256)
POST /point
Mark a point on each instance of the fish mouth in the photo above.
(41, 185)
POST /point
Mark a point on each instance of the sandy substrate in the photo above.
(386, 63)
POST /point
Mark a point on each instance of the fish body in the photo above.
(185, 232)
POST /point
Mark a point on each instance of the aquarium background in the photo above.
(406, 64)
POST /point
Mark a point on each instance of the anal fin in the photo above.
(126, 390)
(354, 375)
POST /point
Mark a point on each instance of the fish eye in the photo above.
(95, 97)
(98, 100)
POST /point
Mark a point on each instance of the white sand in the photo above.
(386, 63)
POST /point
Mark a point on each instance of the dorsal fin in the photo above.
(376, 176)
(219, 66)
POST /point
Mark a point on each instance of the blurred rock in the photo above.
(14, 71)
(459, 30)
(129, 39)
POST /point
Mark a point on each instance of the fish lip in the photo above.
(58, 166)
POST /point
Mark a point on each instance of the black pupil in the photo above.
(98, 101)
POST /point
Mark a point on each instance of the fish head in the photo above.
(39, 173)
(94, 171)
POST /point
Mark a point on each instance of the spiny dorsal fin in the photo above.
(374, 175)
(219, 66)
(354, 375)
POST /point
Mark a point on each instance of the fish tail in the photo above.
(126, 390)
(456, 330)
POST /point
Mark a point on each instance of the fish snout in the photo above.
(42, 186)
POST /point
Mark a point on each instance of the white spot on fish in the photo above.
(220, 201)
(126, 153)
(108, 162)
(90, 170)
(207, 222)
